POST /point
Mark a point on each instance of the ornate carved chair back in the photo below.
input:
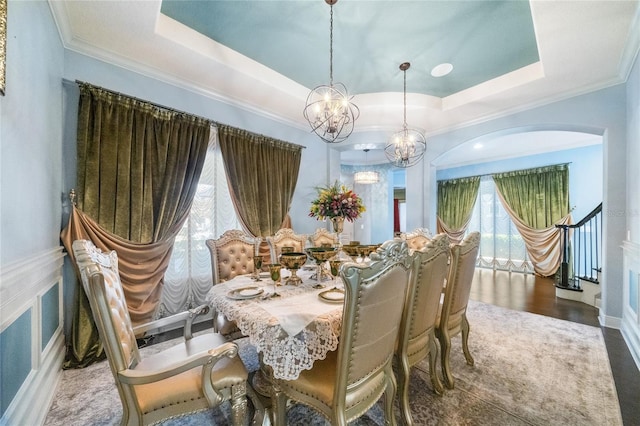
(285, 237)
(322, 237)
(417, 338)
(231, 255)
(453, 311)
(417, 239)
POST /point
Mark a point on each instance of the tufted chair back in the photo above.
(95, 268)
(417, 331)
(198, 373)
(231, 255)
(285, 237)
(352, 379)
(321, 236)
(417, 239)
(452, 318)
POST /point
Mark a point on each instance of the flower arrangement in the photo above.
(336, 201)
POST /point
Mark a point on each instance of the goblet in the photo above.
(274, 270)
(257, 266)
(320, 255)
(293, 261)
(334, 268)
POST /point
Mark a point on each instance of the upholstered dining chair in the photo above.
(417, 238)
(285, 237)
(350, 380)
(231, 255)
(453, 309)
(322, 237)
(201, 372)
(417, 338)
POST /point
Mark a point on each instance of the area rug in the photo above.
(529, 370)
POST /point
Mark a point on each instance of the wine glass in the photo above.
(334, 268)
(257, 266)
(274, 270)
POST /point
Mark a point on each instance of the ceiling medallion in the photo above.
(329, 109)
(407, 146)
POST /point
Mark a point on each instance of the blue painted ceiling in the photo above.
(481, 39)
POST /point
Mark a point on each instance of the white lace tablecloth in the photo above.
(291, 331)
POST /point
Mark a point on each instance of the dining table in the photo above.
(290, 331)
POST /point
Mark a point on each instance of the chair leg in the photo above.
(465, 340)
(445, 347)
(239, 404)
(389, 395)
(404, 374)
(258, 407)
(278, 407)
(433, 361)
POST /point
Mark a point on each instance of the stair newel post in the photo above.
(564, 266)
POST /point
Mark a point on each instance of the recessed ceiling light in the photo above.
(477, 146)
(441, 70)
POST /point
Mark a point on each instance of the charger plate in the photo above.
(332, 295)
(245, 293)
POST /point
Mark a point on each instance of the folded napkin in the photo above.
(294, 313)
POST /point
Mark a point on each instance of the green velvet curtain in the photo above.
(262, 174)
(539, 196)
(138, 170)
(456, 198)
(536, 200)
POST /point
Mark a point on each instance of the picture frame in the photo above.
(3, 43)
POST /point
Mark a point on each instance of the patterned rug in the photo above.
(529, 370)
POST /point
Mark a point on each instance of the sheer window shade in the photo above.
(188, 278)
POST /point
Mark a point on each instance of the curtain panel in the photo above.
(456, 198)
(138, 169)
(537, 200)
(262, 173)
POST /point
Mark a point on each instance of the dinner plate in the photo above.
(332, 296)
(245, 293)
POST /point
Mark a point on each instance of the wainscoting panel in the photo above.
(31, 336)
(631, 299)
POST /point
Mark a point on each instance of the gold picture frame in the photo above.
(3, 43)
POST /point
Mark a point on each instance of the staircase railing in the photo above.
(581, 250)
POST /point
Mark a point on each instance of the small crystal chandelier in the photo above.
(407, 146)
(329, 109)
(368, 176)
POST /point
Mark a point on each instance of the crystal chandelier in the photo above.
(368, 176)
(407, 146)
(329, 109)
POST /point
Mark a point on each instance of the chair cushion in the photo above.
(234, 258)
(187, 386)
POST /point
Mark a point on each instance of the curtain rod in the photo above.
(508, 171)
(215, 123)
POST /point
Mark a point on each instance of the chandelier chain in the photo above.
(405, 99)
(331, 46)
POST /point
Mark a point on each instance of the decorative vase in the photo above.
(338, 227)
(338, 224)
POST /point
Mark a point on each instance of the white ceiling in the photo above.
(582, 46)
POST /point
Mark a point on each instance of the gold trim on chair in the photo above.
(417, 339)
(200, 373)
(453, 311)
(351, 379)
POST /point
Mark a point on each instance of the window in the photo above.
(501, 246)
(188, 278)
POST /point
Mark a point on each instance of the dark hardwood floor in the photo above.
(524, 292)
